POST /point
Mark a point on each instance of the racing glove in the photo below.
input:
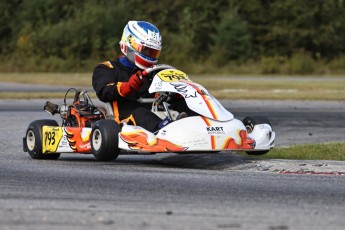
(134, 83)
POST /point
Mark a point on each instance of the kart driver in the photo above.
(121, 81)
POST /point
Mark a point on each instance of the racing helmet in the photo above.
(141, 43)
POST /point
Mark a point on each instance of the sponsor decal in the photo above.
(63, 142)
(158, 86)
(181, 88)
(264, 126)
(153, 36)
(205, 97)
(85, 146)
(197, 142)
(215, 130)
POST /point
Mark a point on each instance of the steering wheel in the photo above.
(154, 68)
(147, 72)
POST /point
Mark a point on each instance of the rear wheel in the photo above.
(249, 123)
(33, 140)
(104, 140)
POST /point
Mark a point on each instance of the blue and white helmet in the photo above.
(141, 43)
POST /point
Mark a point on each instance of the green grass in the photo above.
(331, 151)
(222, 87)
(277, 89)
(69, 79)
(37, 95)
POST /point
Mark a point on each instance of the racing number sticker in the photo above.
(51, 138)
(172, 75)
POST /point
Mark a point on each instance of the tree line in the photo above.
(223, 36)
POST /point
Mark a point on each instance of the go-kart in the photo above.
(91, 129)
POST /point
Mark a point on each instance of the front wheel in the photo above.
(249, 123)
(33, 140)
(104, 140)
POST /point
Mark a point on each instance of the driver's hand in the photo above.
(134, 83)
(136, 80)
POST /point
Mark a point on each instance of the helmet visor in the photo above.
(142, 49)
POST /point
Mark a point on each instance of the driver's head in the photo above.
(141, 43)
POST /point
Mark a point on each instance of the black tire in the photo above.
(257, 153)
(249, 123)
(104, 140)
(33, 139)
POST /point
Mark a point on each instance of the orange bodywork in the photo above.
(138, 141)
(246, 143)
(77, 141)
(83, 121)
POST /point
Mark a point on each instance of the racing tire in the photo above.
(104, 140)
(33, 138)
(249, 123)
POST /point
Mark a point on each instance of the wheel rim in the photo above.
(249, 128)
(30, 140)
(96, 139)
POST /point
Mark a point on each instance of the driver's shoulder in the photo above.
(107, 64)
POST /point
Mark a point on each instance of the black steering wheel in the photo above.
(155, 68)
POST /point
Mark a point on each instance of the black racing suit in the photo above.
(106, 80)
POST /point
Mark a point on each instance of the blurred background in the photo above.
(223, 36)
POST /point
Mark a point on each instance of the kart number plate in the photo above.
(51, 138)
(172, 75)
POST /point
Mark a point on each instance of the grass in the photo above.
(277, 89)
(222, 87)
(330, 151)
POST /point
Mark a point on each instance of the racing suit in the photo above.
(108, 80)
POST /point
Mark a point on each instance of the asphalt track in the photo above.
(170, 191)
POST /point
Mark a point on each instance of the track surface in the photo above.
(169, 191)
